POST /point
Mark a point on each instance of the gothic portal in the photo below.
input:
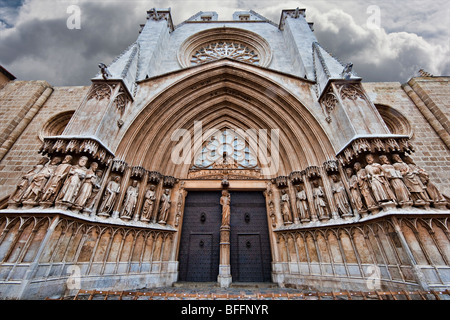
(225, 151)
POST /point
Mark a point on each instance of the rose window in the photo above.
(225, 49)
(225, 150)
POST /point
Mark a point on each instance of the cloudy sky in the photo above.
(387, 40)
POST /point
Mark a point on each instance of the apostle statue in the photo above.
(16, 197)
(412, 181)
(73, 182)
(340, 197)
(37, 184)
(130, 201)
(435, 195)
(355, 194)
(149, 203)
(396, 180)
(164, 207)
(319, 202)
(302, 204)
(54, 184)
(364, 187)
(378, 182)
(109, 197)
(89, 204)
(225, 200)
(87, 187)
(286, 207)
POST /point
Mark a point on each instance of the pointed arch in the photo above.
(222, 94)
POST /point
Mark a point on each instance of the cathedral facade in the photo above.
(224, 151)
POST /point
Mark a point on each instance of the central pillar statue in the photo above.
(224, 277)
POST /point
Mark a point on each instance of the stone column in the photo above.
(224, 277)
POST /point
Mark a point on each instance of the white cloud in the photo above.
(39, 45)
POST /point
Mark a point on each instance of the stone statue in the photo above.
(181, 195)
(164, 207)
(302, 204)
(364, 187)
(225, 201)
(109, 197)
(435, 195)
(378, 182)
(130, 201)
(96, 188)
(54, 184)
(149, 203)
(37, 184)
(355, 194)
(285, 207)
(396, 179)
(319, 202)
(86, 188)
(16, 197)
(73, 182)
(340, 197)
(412, 181)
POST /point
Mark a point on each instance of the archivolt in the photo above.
(224, 94)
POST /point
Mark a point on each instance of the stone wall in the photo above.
(67, 254)
(16, 99)
(390, 253)
(431, 152)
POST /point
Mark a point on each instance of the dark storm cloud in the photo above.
(38, 45)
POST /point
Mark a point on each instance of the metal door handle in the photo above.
(248, 244)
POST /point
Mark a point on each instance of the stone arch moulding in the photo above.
(223, 94)
(395, 120)
(56, 125)
(249, 44)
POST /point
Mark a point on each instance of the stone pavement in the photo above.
(250, 291)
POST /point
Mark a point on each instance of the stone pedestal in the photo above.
(224, 278)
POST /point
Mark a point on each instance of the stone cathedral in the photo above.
(224, 151)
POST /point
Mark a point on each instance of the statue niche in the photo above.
(286, 207)
(319, 201)
(164, 207)
(109, 197)
(130, 201)
(149, 203)
(340, 197)
(302, 204)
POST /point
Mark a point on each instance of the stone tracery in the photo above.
(225, 49)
